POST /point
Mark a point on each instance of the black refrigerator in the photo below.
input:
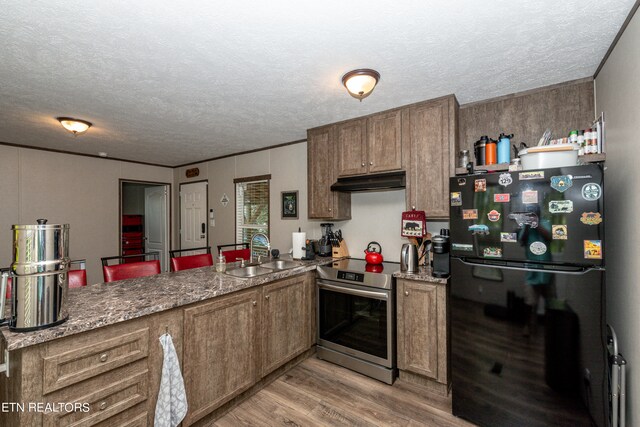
(527, 297)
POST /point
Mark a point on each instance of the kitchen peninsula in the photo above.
(232, 336)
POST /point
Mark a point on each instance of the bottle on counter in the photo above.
(491, 154)
(463, 158)
(221, 263)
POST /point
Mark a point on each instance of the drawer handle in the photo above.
(103, 405)
(406, 293)
(104, 357)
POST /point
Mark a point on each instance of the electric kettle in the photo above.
(409, 258)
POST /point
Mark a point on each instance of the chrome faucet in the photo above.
(251, 247)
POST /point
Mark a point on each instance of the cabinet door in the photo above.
(285, 323)
(351, 147)
(418, 328)
(384, 142)
(221, 351)
(430, 141)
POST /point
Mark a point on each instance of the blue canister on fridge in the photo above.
(504, 148)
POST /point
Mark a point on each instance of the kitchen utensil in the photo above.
(39, 276)
(373, 255)
(308, 251)
(409, 258)
(504, 148)
(440, 249)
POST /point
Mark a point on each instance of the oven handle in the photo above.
(351, 291)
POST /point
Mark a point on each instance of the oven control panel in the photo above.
(351, 276)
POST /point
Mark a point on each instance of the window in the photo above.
(252, 211)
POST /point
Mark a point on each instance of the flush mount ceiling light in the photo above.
(360, 83)
(75, 126)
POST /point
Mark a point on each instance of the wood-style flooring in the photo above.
(319, 393)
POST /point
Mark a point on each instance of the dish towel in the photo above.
(171, 406)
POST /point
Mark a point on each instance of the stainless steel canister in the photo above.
(39, 275)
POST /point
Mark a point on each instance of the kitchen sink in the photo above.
(280, 264)
(249, 271)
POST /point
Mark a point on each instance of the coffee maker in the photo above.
(440, 249)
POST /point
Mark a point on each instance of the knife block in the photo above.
(340, 251)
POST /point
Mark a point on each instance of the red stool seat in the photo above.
(77, 278)
(234, 254)
(130, 270)
(191, 261)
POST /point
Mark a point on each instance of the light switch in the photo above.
(212, 223)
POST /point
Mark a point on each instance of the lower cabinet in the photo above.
(221, 350)
(422, 333)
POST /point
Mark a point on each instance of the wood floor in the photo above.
(319, 393)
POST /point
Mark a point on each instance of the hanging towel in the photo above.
(171, 406)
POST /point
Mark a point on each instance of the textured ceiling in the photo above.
(172, 82)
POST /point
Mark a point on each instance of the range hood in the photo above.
(372, 182)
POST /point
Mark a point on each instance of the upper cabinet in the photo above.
(430, 135)
(370, 145)
(420, 139)
(321, 173)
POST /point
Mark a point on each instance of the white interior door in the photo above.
(193, 215)
(155, 223)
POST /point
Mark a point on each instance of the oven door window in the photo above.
(353, 321)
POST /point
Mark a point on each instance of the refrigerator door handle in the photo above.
(530, 267)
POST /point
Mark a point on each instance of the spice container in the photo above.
(463, 158)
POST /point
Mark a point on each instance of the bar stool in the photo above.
(187, 262)
(129, 270)
(235, 253)
(78, 276)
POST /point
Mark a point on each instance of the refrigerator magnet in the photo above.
(559, 232)
(508, 237)
(593, 249)
(505, 179)
(469, 213)
(531, 175)
(462, 181)
(480, 185)
(456, 199)
(538, 248)
(591, 218)
(462, 247)
(480, 229)
(591, 191)
(530, 196)
(561, 183)
(492, 252)
(502, 198)
(561, 206)
(494, 216)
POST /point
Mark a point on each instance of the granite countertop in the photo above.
(104, 304)
(423, 275)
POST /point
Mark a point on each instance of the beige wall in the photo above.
(76, 190)
(618, 95)
(375, 216)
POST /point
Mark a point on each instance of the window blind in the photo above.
(252, 213)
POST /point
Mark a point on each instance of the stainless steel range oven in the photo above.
(356, 317)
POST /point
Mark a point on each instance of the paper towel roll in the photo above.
(298, 241)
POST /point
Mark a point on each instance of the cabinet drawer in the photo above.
(104, 403)
(64, 369)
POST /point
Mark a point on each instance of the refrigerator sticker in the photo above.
(559, 232)
(469, 213)
(492, 252)
(530, 196)
(505, 179)
(525, 218)
(593, 249)
(480, 229)
(538, 248)
(561, 206)
(531, 175)
(502, 198)
(591, 191)
(462, 247)
(591, 218)
(561, 183)
(480, 185)
(508, 237)
(493, 216)
(462, 181)
(456, 199)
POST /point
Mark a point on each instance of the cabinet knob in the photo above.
(254, 303)
(406, 293)
(371, 163)
(103, 405)
(362, 164)
(266, 297)
(104, 357)
(329, 209)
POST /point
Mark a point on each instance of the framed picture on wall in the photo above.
(289, 205)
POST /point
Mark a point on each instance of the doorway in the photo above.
(194, 205)
(145, 219)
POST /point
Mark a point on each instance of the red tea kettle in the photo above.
(373, 256)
